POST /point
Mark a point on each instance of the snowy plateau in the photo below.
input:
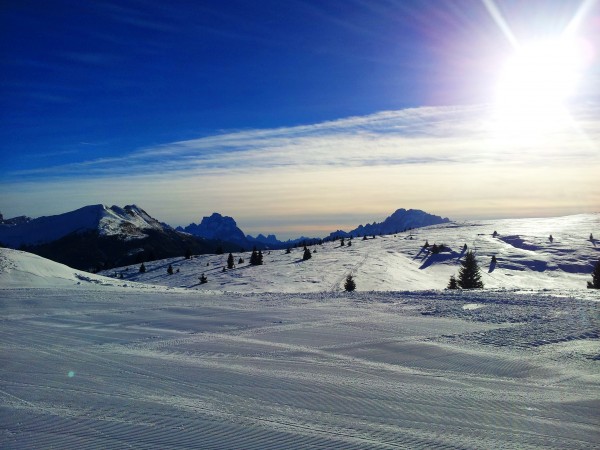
(279, 356)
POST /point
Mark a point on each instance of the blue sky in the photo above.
(288, 116)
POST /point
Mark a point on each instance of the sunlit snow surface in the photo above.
(94, 362)
(526, 259)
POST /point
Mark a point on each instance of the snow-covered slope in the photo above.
(526, 259)
(90, 362)
(128, 222)
(26, 270)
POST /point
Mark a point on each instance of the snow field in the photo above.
(526, 259)
(96, 366)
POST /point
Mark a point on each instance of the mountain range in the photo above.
(98, 237)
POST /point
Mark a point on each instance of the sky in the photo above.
(301, 117)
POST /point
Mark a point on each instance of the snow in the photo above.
(526, 259)
(127, 222)
(88, 361)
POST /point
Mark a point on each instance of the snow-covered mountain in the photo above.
(526, 258)
(98, 236)
(128, 223)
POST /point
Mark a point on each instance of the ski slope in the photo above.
(95, 362)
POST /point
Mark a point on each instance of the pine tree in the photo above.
(142, 268)
(288, 251)
(170, 269)
(469, 276)
(595, 283)
(241, 261)
(230, 261)
(349, 284)
(203, 279)
(426, 244)
(254, 257)
(349, 243)
(307, 255)
(260, 258)
(342, 243)
(452, 283)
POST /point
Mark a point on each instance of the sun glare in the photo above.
(535, 84)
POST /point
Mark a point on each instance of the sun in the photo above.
(535, 83)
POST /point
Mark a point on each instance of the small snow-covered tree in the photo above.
(342, 243)
(170, 269)
(203, 279)
(142, 268)
(469, 276)
(349, 284)
(307, 255)
(595, 283)
(452, 284)
(230, 261)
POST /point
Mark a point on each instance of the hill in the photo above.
(525, 259)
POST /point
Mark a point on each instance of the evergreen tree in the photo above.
(288, 251)
(307, 254)
(349, 284)
(170, 269)
(230, 261)
(595, 283)
(142, 268)
(365, 237)
(426, 244)
(494, 261)
(203, 279)
(241, 261)
(254, 257)
(260, 258)
(342, 243)
(452, 283)
(469, 276)
(495, 233)
(435, 249)
(349, 243)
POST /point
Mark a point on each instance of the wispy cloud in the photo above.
(450, 160)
